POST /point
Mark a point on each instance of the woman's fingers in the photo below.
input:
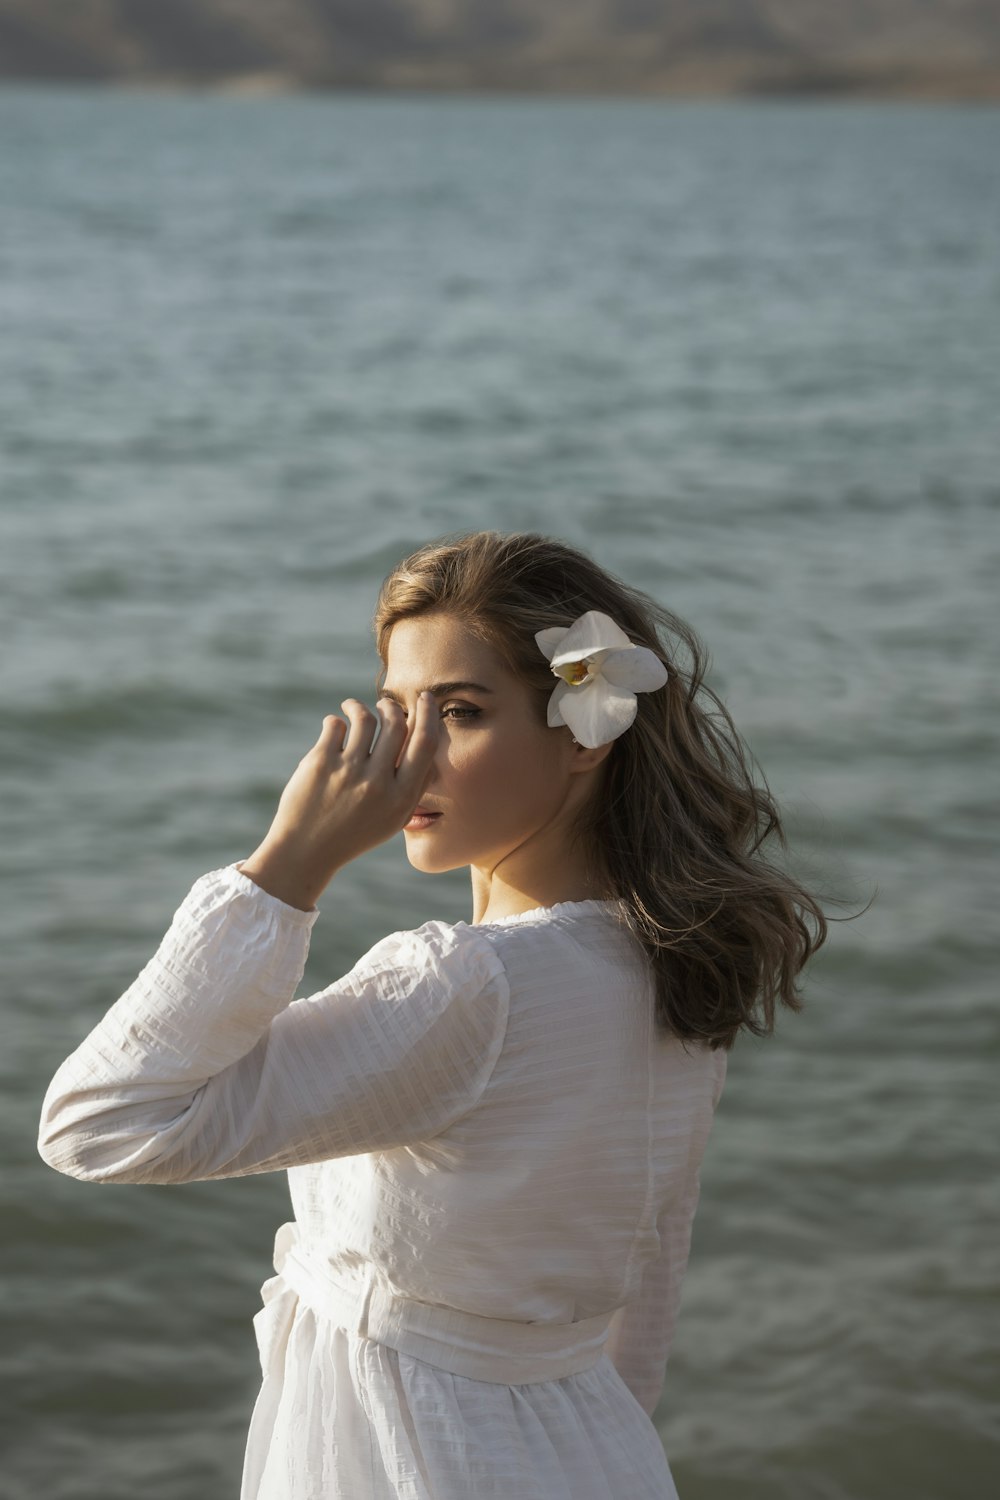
(418, 752)
(321, 824)
(403, 751)
(392, 735)
(363, 724)
(333, 733)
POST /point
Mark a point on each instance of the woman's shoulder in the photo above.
(455, 951)
(470, 937)
(561, 940)
(563, 927)
(597, 926)
(566, 941)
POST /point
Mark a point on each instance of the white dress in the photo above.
(494, 1167)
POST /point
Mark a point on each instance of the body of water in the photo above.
(748, 356)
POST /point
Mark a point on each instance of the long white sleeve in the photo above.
(205, 1068)
(642, 1331)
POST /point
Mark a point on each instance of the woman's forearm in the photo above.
(231, 960)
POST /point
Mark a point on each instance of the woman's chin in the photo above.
(425, 862)
(418, 858)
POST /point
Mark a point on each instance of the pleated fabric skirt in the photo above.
(343, 1417)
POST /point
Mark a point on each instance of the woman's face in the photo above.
(500, 779)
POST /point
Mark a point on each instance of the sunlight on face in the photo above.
(500, 777)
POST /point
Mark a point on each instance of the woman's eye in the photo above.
(456, 712)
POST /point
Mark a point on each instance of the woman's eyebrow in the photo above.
(438, 689)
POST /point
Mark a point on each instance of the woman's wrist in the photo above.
(283, 874)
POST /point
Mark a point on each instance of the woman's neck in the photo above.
(495, 896)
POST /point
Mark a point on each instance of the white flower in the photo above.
(601, 671)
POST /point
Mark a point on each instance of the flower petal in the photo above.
(591, 632)
(598, 712)
(553, 712)
(639, 669)
(548, 640)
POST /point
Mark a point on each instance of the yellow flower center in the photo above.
(573, 672)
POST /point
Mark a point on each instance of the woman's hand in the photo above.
(345, 797)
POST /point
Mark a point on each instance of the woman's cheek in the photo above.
(472, 761)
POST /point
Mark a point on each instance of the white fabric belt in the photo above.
(494, 1349)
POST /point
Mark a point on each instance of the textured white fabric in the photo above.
(494, 1168)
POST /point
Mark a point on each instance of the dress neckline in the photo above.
(537, 913)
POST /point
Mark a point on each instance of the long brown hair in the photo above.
(678, 828)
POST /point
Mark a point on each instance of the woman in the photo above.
(493, 1129)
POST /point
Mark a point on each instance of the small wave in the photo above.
(143, 710)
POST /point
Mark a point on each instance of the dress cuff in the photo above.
(238, 882)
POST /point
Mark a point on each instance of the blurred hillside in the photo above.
(916, 48)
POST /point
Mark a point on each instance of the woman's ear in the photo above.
(587, 759)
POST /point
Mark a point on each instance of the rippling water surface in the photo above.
(749, 357)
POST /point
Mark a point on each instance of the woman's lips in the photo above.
(421, 818)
